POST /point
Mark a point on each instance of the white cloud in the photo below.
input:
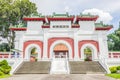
(67, 9)
(48, 6)
(103, 16)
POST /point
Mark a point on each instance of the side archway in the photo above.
(93, 50)
(83, 42)
(28, 51)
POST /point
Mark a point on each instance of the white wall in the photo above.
(34, 27)
(62, 34)
(19, 39)
(87, 25)
(88, 37)
(102, 39)
(86, 32)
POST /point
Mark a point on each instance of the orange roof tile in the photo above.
(60, 47)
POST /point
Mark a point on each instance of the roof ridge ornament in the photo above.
(60, 15)
(34, 15)
(87, 15)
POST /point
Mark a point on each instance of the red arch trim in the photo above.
(37, 42)
(69, 40)
(81, 43)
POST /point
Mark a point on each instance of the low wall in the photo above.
(113, 54)
(9, 55)
(114, 58)
(5, 54)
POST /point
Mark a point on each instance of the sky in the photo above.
(108, 10)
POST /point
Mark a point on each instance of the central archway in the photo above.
(61, 42)
(61, 51)
(88, 52)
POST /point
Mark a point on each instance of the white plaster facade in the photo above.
(86, 32)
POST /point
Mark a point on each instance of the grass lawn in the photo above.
(5, 76)
(117, 76)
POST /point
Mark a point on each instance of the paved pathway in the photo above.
(59, 77)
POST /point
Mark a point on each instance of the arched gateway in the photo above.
(93, 55)
(31, 56)
(62, 35)
(60, 51)
(60, 48)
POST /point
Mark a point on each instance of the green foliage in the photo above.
(3, 62)
(87, 49)
(118, 67)
(5, 76)
(114, 41)
(1, 73)
(33, 50)
(117, 76)
(11, 13)
(4, 47)
(87, 59)
(113, 69)
(4, 67)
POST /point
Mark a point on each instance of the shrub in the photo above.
(118, 67)
(4, 67)
(1, 73)
(113, 69)
(3, 62)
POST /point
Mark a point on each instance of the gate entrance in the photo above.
(61, 51)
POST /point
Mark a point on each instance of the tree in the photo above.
(11, 13)
(114, 40)
(4, 47)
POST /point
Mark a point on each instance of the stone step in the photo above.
(59, 67)
(42, 67)
(78, 67)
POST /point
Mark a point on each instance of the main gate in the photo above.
(60, 57)
(60, 51)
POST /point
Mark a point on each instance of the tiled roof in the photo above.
(35, 15)
(60, 15)
(60, 47)
(20, 25)
(87, 15)
(101, 25)
(18, 29)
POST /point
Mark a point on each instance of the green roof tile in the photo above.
(60, 15)
(86, 15)
(35, 15)
(100, 24)
(20, 25)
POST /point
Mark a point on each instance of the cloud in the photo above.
(75, 7)
(103, 16)
(48, 6)
(67, 9)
